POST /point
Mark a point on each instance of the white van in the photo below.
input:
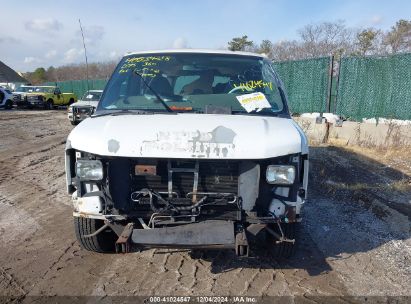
(188, 149)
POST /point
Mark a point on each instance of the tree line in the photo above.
(97, 70)
(314, 40)
(332, 38)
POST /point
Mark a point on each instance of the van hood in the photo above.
(208, 136)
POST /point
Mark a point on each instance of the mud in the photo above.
(354, 240)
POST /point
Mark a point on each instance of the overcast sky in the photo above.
(44, 33)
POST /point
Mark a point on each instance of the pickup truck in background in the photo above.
(48, 97)
(20, 95)
(85, 107)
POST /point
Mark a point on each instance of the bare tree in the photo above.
(326, 38)
(316, 40)
(287, 50)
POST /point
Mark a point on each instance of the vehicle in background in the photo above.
(189, 149)
(6, 98)
(20, 95)
(85, 107)
(48, 97)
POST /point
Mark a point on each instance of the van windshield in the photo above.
(194, 82)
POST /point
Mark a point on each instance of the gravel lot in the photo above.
(355, 236)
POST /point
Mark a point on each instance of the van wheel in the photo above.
(74, 123)
(104, 242)
(284, 249)
(9, 104)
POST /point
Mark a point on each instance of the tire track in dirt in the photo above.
(10, 285)
(20, 183)
(47, 260)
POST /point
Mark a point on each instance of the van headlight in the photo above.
(280, 175)
(89, 169)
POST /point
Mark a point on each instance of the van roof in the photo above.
(198, 51)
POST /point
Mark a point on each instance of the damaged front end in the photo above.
(188, 149)
(187, 203)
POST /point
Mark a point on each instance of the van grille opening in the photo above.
(213, 176)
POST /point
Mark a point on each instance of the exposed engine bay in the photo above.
(150, 194)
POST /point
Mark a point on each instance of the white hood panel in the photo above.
(188, 136)
(92, 103)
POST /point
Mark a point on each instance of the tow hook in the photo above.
(123, 244)
(241, 243)
(280, 238)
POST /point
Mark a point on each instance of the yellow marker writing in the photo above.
(253, 84)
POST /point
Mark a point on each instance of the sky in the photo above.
(45, 33)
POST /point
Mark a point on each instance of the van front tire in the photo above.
(104, 242)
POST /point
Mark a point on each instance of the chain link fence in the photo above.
(306, 82)
(375, 87)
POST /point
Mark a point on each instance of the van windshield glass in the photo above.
(190, 82)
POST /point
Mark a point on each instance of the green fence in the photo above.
(375, 87)
(365, 87)
(306, 82)
(79, 87)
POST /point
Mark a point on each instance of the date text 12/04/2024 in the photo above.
(203, 299)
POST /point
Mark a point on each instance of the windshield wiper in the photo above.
(254, 113)
(114, 112)
(154, 92)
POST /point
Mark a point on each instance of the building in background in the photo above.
(10, 78)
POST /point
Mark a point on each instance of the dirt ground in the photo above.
(354, 240)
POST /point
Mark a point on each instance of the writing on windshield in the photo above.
(192, 82)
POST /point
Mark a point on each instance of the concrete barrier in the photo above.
(316, 133)
(389, 134)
